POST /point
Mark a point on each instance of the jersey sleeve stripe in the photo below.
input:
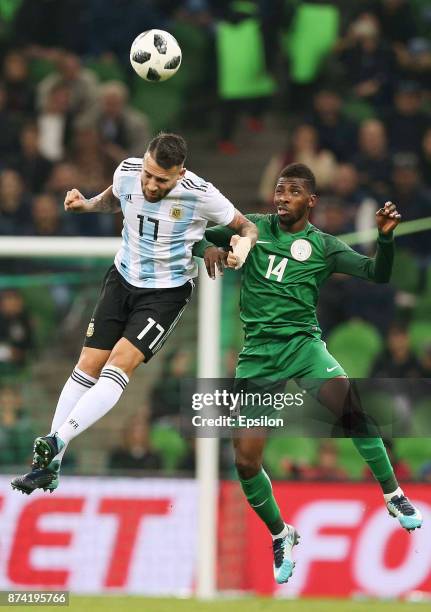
(188, 184)
(193, 184)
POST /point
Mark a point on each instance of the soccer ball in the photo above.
(155, 55)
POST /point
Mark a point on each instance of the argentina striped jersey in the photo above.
(158, 237)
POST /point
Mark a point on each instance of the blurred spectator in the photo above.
(14, 204)
(345, 185)
(368, 62)
(401, 468)
(358, 204)
(80, 82)
(406, 122)
(50, 23)
(33, 167)
(397, 359)
(124, 130)
(136, 452)
(91, 160)
(396, 20)
(425, 157)
(413, 201)
(373, 161)
(166, 393)
(414, 60)
(335, 132)
(304, 148)
(46, 217)
(64, 177)
(16, 429)
(324, 468)
(55, 123)
(333, 215)
(16, 335)
(9, 129)
(120, 21)
(19, 91)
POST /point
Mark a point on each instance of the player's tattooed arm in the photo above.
(105, 202)
(241, 242)
(243, 227)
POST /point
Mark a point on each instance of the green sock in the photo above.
(374, 452)
(258, 491)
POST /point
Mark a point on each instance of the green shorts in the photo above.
(302, 358)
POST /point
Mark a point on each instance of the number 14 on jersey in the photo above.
(276, 270)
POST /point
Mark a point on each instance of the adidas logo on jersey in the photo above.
(129, 197)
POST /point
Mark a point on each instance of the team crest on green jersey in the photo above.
(301, 249)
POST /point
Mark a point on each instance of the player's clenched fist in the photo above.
(74, 201)
(387, 218)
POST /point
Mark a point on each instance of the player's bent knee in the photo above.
(126, 356)
(91, 361)
(247, 468)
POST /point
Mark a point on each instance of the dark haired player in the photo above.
(166, 209)
(279, 292)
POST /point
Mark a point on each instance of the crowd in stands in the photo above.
(349, 83)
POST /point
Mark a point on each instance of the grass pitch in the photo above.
(146, 604)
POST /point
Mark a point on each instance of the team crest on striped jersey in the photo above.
(176, 212)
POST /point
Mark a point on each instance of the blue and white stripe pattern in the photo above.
(181, 218)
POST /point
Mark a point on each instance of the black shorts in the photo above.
(145, 317)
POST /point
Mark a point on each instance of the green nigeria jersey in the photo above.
(283, 273)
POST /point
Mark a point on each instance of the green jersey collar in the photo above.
(287, 236)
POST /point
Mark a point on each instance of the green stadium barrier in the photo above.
(355, 345)
(420, 335)
(311, 37)
(299, 450)
(170, 444)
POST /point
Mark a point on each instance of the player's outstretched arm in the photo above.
(105, 202)
(378, 268)
(242, 241)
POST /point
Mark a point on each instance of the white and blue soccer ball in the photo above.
(155, 55)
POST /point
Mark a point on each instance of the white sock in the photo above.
(95, 403)
(76, 385)
(389, 496)
(282, 534)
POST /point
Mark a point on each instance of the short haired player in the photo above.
(279, 292)
(166, 209)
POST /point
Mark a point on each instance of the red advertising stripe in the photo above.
(349, 543)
